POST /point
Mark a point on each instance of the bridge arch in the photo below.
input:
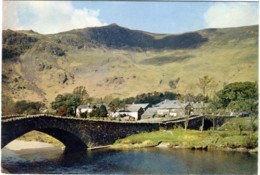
(75, 133)
(69, 136)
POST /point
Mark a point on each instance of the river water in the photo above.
(141, 161)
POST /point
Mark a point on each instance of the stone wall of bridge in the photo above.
(74, 133)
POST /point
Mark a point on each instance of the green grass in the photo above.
(192, 138)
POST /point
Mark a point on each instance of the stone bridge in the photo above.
(78, 134)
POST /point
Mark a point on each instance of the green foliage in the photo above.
(152, 97)
(67, 104)
(27, 107)
(206, 84)
(239, 124)
(214, 107)
(251, 142)
(84, 114)
(103, 111)
(194, 98)
(194, 139)
(246, 105)
(81, 93)
(99, 111)
(237, 93)
(116, 104)
(95, 112)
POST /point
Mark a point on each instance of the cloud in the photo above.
(47, 17)
(231, 14)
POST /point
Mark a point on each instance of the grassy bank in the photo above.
(233, 135)
(193, 139)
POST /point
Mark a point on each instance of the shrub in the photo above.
(251, 142)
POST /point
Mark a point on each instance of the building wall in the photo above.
(163, 111)
(80, 111)
(132, 114)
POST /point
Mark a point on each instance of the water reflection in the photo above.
(143, 161)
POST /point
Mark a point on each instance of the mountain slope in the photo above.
(122, 62)
(114, 36)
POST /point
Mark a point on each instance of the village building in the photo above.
(174, 108)
(171, 108)
(132, 110)
(149, 113)
(197, 108)
(86, 108)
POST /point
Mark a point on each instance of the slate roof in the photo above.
(149, 113)
(134, 107)
(170, 104)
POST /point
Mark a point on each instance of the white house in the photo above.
(132, 110)
(85, 108)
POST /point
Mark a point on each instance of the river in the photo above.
(141, 161)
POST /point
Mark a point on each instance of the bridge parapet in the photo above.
(79, 133)
(75, 133)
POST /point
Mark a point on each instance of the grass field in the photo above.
(190, 139)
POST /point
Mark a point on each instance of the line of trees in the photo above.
(237, 97)
(9, 107)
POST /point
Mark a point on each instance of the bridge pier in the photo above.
(75, 149)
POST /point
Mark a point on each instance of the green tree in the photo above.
(60, 104)
(206, 85)
(81, 94)
(116, 104)
(241, 97)
(213, 110)
(28, 107)
(73, 102)
(247, 105)
(95, 112)
(70, 101)
(103, 111)
(238, 91)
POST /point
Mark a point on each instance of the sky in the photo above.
(157, 17)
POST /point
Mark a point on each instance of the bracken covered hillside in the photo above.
(117, 61)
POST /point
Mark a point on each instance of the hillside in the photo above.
(114, 60)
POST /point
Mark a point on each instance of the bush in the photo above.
(251, 142)
(27, 107)
(84, 114)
